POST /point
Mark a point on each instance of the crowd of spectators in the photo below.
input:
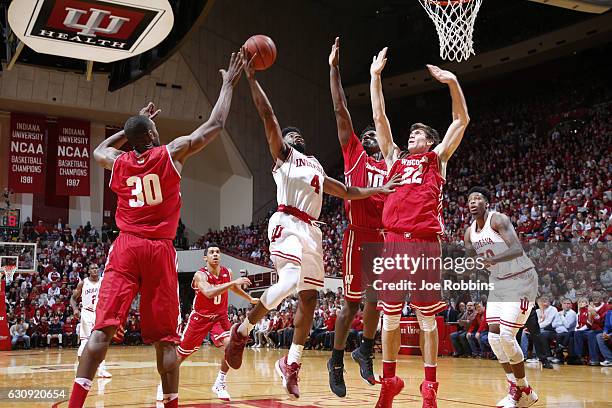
(38, 306)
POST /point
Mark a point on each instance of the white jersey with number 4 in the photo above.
(487, 242)
(299, 181)
(89, 294)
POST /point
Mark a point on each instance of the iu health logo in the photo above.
(97, 30)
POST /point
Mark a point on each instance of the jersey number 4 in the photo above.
(150, 195)
(316, 184)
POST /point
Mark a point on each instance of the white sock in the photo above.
(522, 382)
(245, 327)
(170, 397)
(295, 354)
(221, 377)
(83, 382)
(511, 377)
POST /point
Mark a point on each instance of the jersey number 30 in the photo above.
(150, 195)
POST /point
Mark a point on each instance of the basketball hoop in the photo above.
(9, 271)
(454, 21)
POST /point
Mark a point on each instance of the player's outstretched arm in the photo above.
(337, 189)
(278, 148)
(237, 289)
(107, 151)
(343, 117)
(384, 136)
(210, 291)
(76, 294)
(183, 147)
(461, 118)
(501, 223)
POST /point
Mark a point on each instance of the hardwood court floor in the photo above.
(464, 382)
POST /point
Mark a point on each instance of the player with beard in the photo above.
(364, 167)
(296, 246)
(413, 224)
(515, 281)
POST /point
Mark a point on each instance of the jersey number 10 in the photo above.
(150, 195)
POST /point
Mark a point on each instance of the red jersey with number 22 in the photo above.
(216, 306)
(416, 205)
(361, 170)
(148, 193)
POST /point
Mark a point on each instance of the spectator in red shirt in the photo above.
(70, 336)
(482, 335)
(356, 331)
(596, 315)
(473, 329)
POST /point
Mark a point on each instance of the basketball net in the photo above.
(9, 271)
(454, 21)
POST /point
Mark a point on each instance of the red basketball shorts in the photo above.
(356, 245)
(147, 266)
(416, 272)
(198, 327)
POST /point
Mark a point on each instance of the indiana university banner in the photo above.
(5, 338)
(73, 164)
(26, 172)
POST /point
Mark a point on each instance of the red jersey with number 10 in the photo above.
(148, 193)
(361, 170)
(416, 205)
(216, 306)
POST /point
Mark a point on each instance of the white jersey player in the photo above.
(294, 234)
(87, 290)
(515, 287)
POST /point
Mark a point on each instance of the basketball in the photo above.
(265, 49)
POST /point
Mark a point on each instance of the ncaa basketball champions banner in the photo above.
(26, 163)
(73, 157)
(92, 30)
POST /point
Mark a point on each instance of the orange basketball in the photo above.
(265, 49)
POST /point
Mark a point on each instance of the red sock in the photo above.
(172, 404)
(389, 369)
(430, 374)
(77, 397)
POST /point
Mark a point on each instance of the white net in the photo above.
(454, 21)
(9, 272)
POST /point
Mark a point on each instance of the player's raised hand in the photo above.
(446, 77)
(378, 62)
(249, 69)
(242, 282)
(391, 184)
(233, 72)
(150, 110)
(334, 55)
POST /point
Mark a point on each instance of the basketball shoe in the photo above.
(366, 366)
(525, 397)
(511, 390)
(235, 348)
(429, 392)
(220, 388)
(289, 374)
(391, 386)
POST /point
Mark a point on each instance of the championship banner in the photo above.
(26, 172)
(73, 157)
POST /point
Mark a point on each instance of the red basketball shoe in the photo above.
(429, 392)
(289, 374)
(390, 388)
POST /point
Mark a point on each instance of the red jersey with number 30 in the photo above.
(148, 193)
(212, 306)
(361, 170)
(416, 205)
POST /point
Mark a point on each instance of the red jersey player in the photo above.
(209, 313)
(363, 167)
(142, 258)
(412, 218)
